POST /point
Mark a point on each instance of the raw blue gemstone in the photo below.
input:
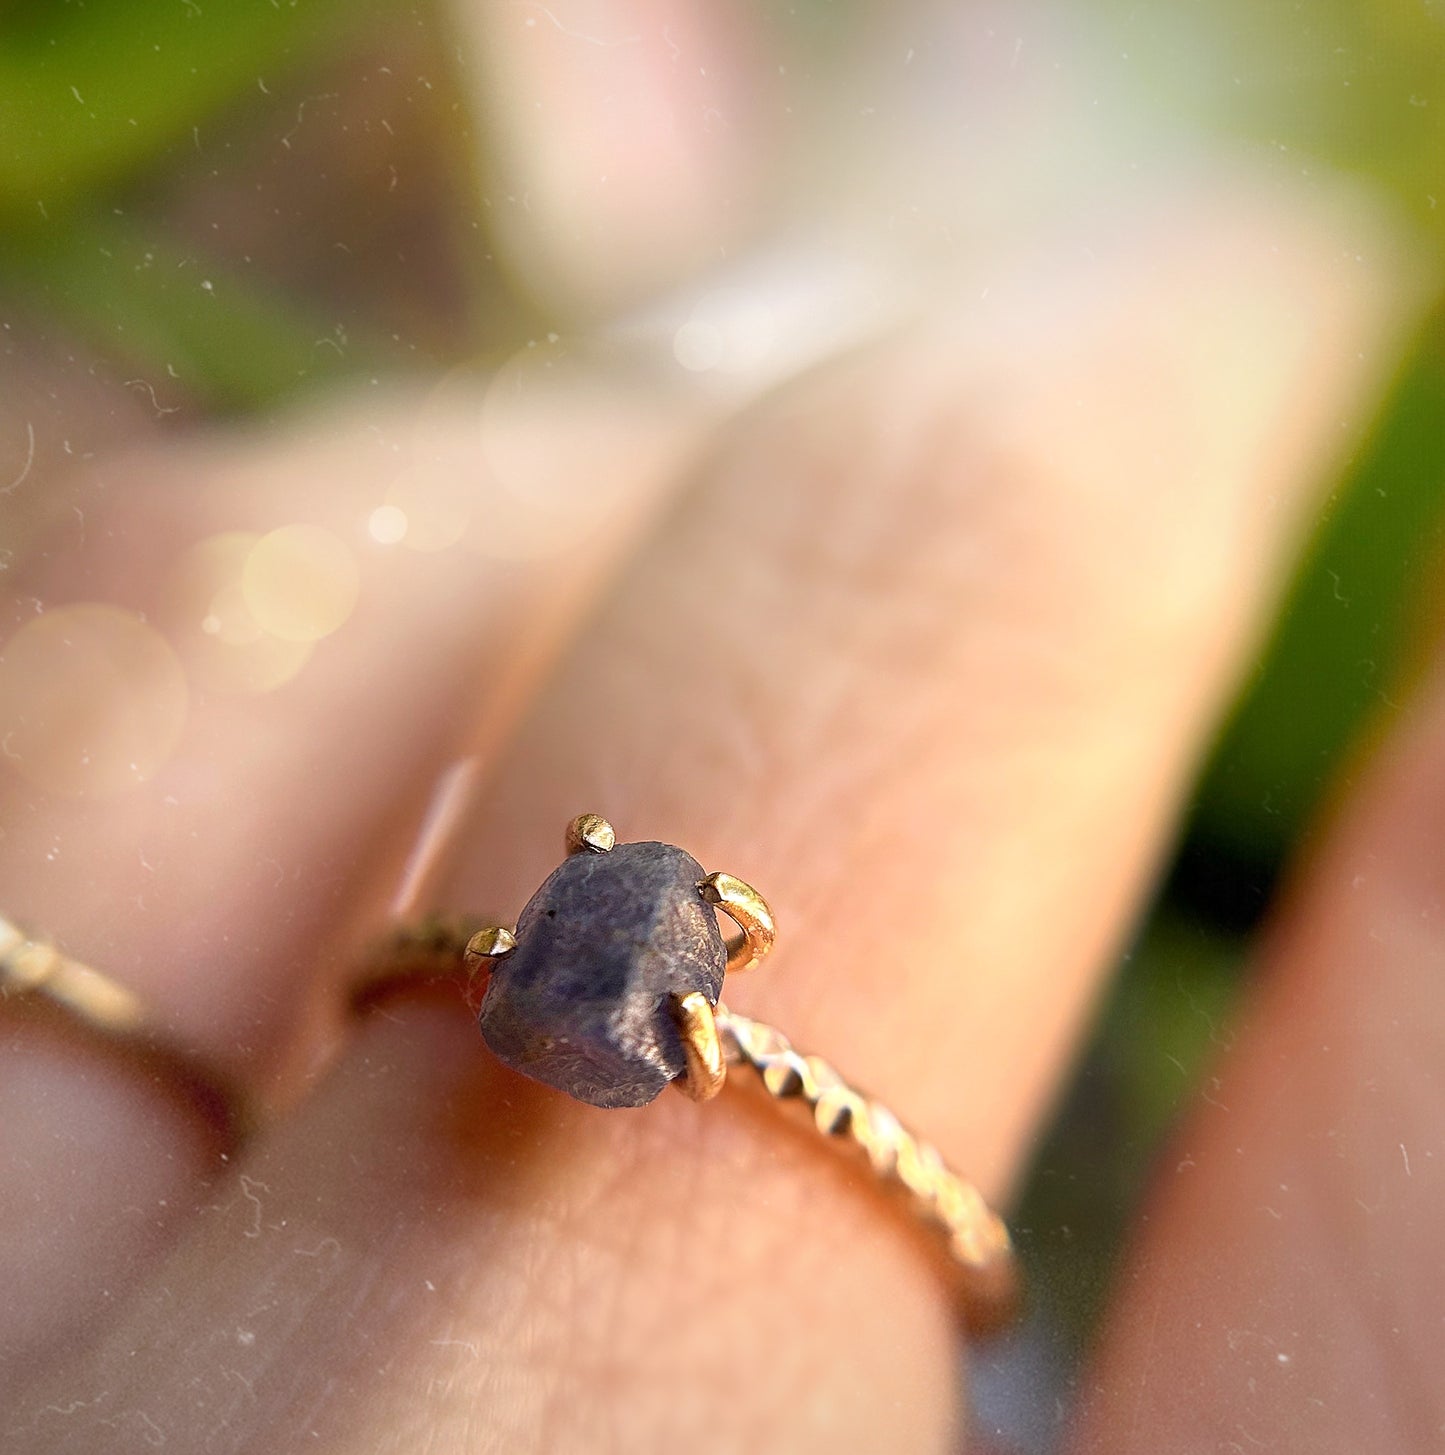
(581, 1003)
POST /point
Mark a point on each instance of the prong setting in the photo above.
(492, 942)
(706, 1066)
(590, 833)
(749, 911)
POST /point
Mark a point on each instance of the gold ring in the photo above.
(608, 988)
(35, 973)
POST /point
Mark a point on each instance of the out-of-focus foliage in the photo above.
(89, 93)
(1359, 84)
(1368, 593)
(103, 102)
(228, 343)
(1168, 1016)
(95, 95)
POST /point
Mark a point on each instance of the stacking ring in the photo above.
(608, 988)
(36, 973)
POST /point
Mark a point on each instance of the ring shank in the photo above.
(33, 965)
(977, 1253)
(974, 1238)
(36, 975)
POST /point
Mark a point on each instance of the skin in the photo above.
(926, 644)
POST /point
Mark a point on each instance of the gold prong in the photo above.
(706, 1068)
(749, 911)
(590, 833)
(490, 943)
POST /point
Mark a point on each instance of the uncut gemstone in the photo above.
(582, 1002)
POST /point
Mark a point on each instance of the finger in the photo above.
(287, 753)
(98, 1163)
(624, 141)
(410, 1167)
(931, 657)
(885, 666)
(209, 887)
(1286, 1290)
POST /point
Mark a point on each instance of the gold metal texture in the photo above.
(749, 911)
(979, 1252)
(39, 978)
(590, 833)
(706, 1068)
(491, 942)
(971, 1240)
(971, 1236)
(33, 965)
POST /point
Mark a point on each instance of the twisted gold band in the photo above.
(977, 1255)
(975, 1239)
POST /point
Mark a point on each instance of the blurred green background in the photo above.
(126, 125)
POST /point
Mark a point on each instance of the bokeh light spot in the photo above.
(386, 525)
(92, 700)
(435, 505)
(698, 346)
(222, 646)
(300, 583)
(732, 333)
(551, 433)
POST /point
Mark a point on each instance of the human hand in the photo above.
(923, 644)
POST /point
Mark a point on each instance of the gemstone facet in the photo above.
(583, 1002)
